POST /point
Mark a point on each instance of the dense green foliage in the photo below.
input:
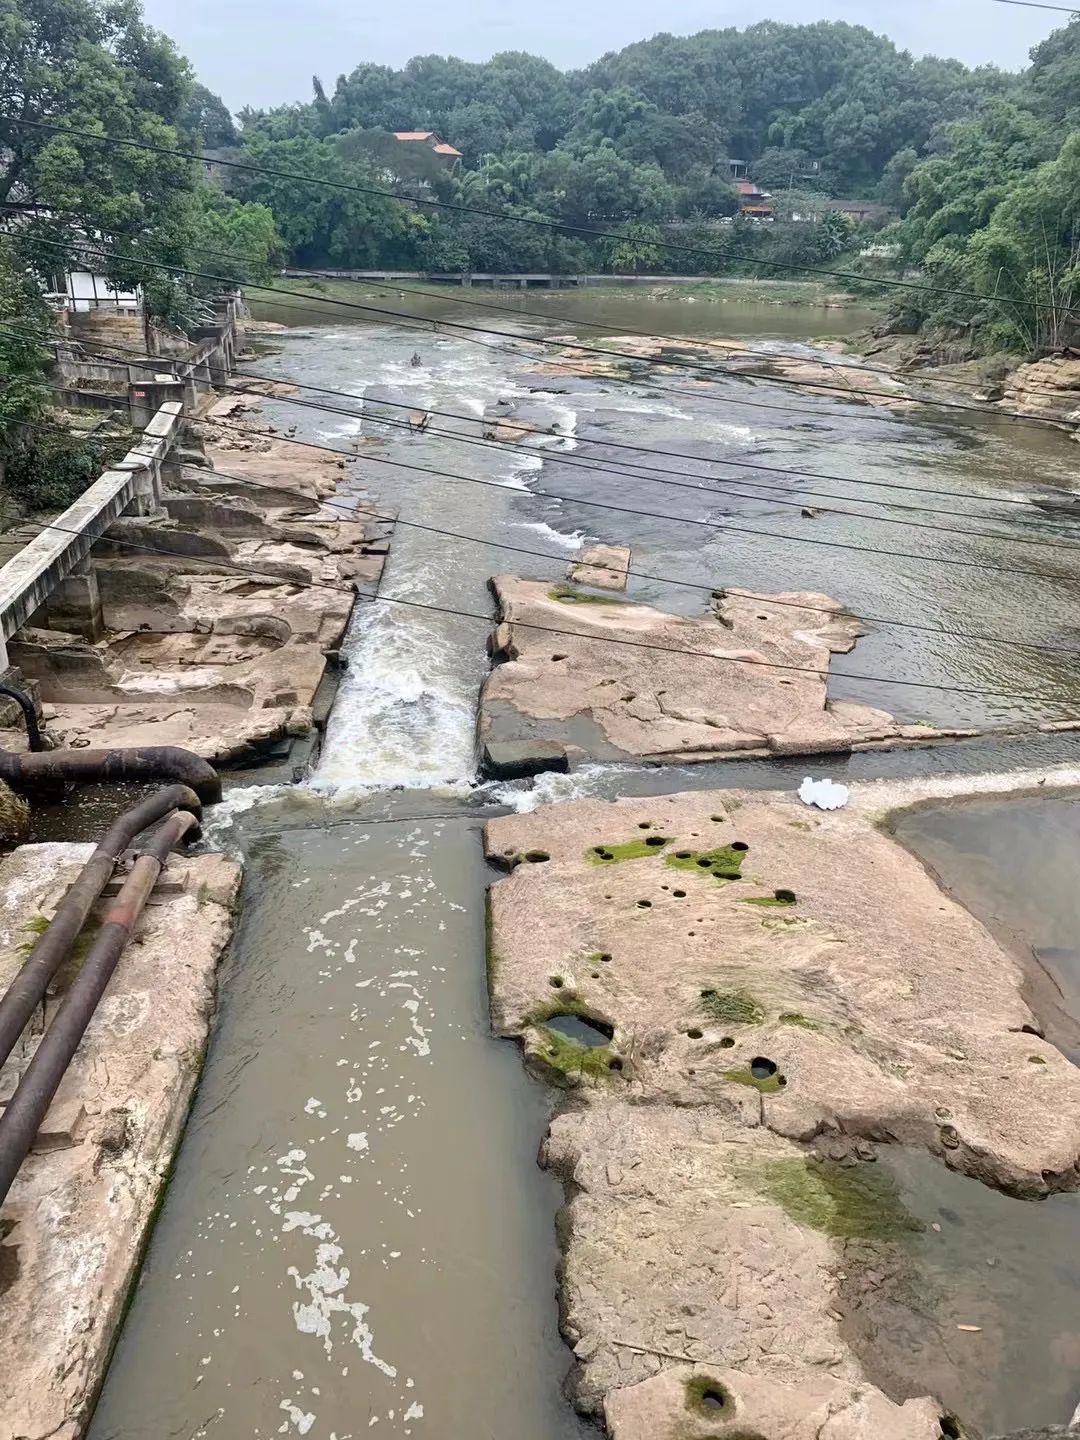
(638, 142)
(997, 211)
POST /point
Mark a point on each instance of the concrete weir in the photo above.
(786, 991)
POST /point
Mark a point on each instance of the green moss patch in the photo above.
(732, 1007)
(792, 1017)
(567, 595)
(768, 1084)
(627, 850)
(861, 1203)
(572, 1058)
(722, 863)
(779, 897)
(708, 1396)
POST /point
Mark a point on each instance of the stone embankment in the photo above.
(745, 1000)
(210, 625)
(583, 676)
(80, 1210)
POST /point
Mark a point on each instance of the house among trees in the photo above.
(433, 140)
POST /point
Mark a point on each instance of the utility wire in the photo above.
(665, 362)
(374, 598)
(396, 520)
(563, 560)
(738, 591)
(536, 223)
(507, 423)
(723, 528)
(666, 478)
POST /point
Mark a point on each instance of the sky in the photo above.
(264, 52)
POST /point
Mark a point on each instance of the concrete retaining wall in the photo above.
(27, 580)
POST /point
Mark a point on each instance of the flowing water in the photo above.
(356, 1237)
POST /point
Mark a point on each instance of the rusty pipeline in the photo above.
(27, 990)
(26, 705)
(24, 1112)
(83, 767)
(27, 1108)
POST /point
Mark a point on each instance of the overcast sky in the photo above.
(264, 52)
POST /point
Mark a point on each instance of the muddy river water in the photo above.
(356, 1238)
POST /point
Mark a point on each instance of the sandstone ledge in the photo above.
(76, 1219)
(611, 680)
(763, 1022)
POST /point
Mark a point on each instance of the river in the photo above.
(356, 1236)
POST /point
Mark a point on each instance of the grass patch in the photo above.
(768, 1084)
(627, 850)
(567, 595)
(792, 1017)
(766, 900)
(732, 1007)
(38, 924)
(722, 863)
(572, 1058)
(861, 1203)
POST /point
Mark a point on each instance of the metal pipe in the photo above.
(33, 733)
(24, 1112)
(26, 991)
(147, 762)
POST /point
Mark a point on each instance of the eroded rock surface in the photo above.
(611, 680)
(745, 997)
(604, 567)
(218, 614)
(73, 1224)
(747, 928)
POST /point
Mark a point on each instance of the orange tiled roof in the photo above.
(413, 134)
(445, 149)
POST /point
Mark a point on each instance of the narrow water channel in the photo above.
(356, 1237)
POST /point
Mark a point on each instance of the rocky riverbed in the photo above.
(745, 998)
(580, 676)
(215, 620)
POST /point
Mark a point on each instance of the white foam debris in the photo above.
(823, 793)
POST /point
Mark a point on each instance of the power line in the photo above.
(725, 527)
(754, 466)
(562, 560)
(826, 674)
(665, 362)
(1037, 5)
(538, 223)
(396, 520)
(739, 591)
(656, 476)
(665, 478)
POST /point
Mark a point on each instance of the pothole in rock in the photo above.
(593, 1033)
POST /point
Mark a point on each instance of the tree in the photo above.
(638, 248)
(205, 120)
(93, 65)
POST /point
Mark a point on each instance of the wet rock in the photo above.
(516, 759)
(604, 567)
(880, 1002)
(607, 679)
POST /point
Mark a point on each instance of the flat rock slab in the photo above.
(79, 1212)
(604, 567)
(797, 968)
(668, 1407)
(679, 1260)
(747, 680)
